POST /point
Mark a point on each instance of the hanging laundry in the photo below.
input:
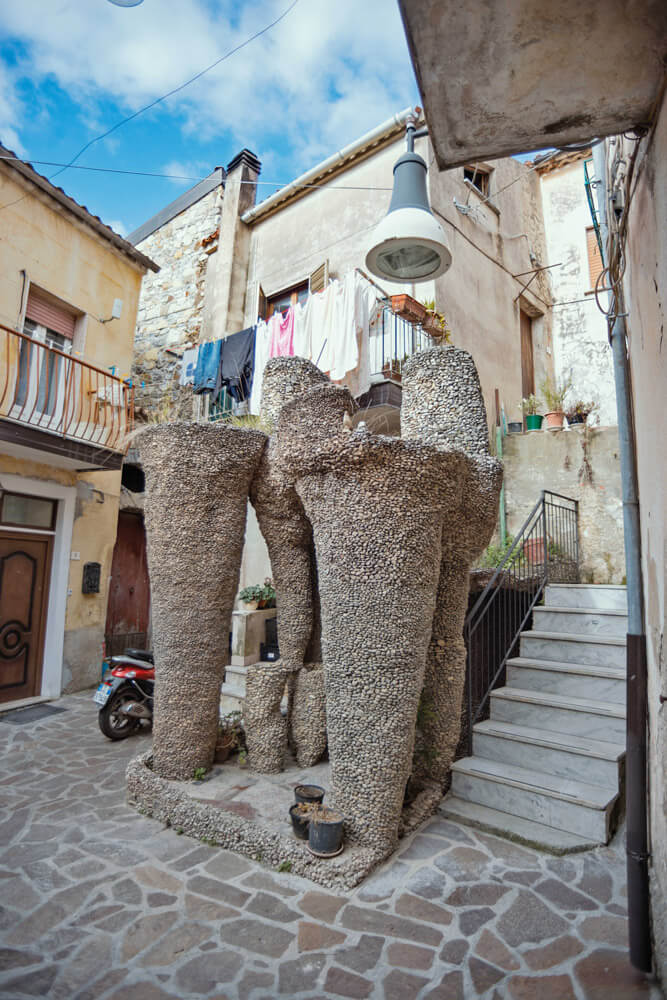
(262, 343)
(282, 334)
(237, 364)
(208, 367)
(188, 366)
(322, 321)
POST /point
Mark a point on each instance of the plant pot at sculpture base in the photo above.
(514, 427)
(308, 793)
(554, 419)
(250, 605)
(533, 550)
(300, 821)
(534, 421)
(325, 833)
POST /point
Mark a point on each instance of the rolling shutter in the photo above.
(46, 313)
(319, 279)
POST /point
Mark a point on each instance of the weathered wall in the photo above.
(561, 461)
(581, 347)
(60, 255)
(478, 294)
(172, 303)
(646, 301)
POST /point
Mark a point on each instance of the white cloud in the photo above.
(325, 74)
(181, 170)
(118, 226)
(10, 113)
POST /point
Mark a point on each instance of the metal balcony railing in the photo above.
(393, 340)
(48, 389)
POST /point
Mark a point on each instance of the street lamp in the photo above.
(126, 3)
(409, 243)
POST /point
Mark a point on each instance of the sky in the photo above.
(71, 69)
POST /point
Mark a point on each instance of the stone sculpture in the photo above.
(197, 482)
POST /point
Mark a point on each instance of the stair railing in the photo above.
(546, 550)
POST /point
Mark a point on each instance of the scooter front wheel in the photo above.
(113, 724)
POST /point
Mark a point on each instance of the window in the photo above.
(27, 512)
(283, 300)
(41, 373)
(478, 178)
(594, 259)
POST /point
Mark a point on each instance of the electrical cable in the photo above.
(158, 100)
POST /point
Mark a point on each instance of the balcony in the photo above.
(80, 415)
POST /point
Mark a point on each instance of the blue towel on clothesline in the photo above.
(208, 366)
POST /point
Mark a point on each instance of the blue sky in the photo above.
(70, 69)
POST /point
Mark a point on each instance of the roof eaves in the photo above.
(180, 204)
(13, 162)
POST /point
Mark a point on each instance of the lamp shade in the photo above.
(126, 3)
(409, 243)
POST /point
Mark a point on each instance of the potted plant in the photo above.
(231, 736)
(308, 793)
(325, 832)
(251, 596)
(408, 308)
(554, 393)
(300, 814)
(268, 594)
(579, 411)
(435, 323)
(529, 406)
(392, 369)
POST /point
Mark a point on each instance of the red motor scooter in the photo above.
(125, 695)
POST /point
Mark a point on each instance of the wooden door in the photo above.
(25, 561)
(129, 591)
(527, 366)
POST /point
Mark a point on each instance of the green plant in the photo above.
(230, 730)
(263, 593)
(243, 757)
(444, 331)
(179, 831)
(529, 404)
(199, 774)
(554, 393)
(284, 866)
(250, 594)
(493, 555)
(580, 409)
(268, 593)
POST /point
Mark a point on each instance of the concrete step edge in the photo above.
(595, 797)
(612, 752)
(549, 700)
(557, 666)
(563, 609)
(591, 640)
(513, 828)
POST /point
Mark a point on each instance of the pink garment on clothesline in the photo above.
(282, 335)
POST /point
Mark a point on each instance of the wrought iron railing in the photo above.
(393, 339)
(546, 550)
(47, 388)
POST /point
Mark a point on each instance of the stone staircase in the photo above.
(547, 766)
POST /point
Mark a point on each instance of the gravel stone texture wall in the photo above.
(377, 506)
(265, 725)
(443, 405)
(197, 481)
(308, 720)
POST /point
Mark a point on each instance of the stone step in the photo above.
(578, 621)
(586, 595)
(524, 831)
(563, 803)
(544, 710)
(562, 754)
(582, 680)
(603, 651)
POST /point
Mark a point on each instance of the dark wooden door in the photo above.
(129, 592)
(527, 366)
(25, 561)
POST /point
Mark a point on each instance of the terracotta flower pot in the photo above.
(250, 605)
(408, 308)
(554, 419)
(533, 549)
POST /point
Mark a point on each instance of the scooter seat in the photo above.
(140, 654)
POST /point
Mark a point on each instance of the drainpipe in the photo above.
(636, 786)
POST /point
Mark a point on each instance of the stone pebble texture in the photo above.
(377, 506)
(265, 725)
(308, 719)
(197, 481)
(443, 405)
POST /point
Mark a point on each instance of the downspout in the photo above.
(636, 787)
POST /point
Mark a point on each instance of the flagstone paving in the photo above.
(97, 901)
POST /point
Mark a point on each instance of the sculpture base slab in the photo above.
(246, 812)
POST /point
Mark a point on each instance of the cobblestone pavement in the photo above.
(100, 902)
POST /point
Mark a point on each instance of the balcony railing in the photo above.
(393, 340)
(48, 389)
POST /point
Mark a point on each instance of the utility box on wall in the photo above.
(91, 578)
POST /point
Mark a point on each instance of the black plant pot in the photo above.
(514, 427)
(308, 793)
(300, 824)
(325, 836)
(578, 418)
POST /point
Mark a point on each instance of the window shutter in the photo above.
(46, 313)
(259, 306)
(319, 279)
(594, 259)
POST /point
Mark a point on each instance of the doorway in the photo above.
(25, 563)
(527, 362)
(128, 609)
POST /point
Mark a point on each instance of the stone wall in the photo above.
(172, 305)
(581, 463)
